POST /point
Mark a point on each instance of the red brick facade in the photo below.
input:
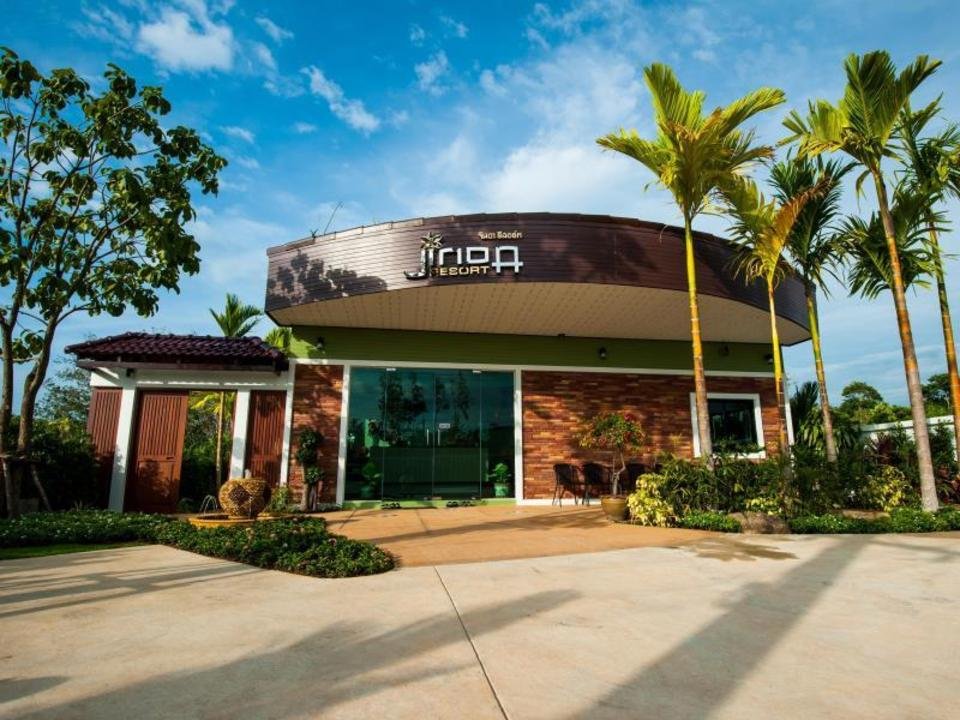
(317, 392)
(555, 405)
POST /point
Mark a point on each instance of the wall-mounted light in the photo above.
(602, 353)
(724, 350)
(768, 358)
(320, 344)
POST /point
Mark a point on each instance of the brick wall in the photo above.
(317, 390)
(555, 405)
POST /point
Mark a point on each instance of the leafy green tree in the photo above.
(937, 394)
(762, 228)
(280, 338)
(932, 172)
(236, 319)
(814, 251)
(862, 125)
(66, 396)
(691, 156)
(95, 195)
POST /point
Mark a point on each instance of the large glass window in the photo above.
(733, 425)
(428, 434)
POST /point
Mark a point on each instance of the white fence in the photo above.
(872, 431)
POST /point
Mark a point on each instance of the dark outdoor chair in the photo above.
(628, 480)
(599, 478)
(565, 478)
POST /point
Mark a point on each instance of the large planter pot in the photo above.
(243, 497)
(614, 507)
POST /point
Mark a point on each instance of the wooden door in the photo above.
(265, 435)
(154, 484)
(102, 421)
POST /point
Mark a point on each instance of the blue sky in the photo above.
(399, 109)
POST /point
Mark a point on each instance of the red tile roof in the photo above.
(149, 348)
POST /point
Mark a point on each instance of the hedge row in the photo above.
(901, 520)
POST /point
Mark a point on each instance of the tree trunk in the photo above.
(699, 378)
(813, 316)
(783, 439)
(11, 494)
(218, 460)
(31, 388)
(948, 341)
(921, 434)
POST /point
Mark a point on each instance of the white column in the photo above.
(241, 421)
(342, 450)
(121, 457)
(517, 436)
(287, 426)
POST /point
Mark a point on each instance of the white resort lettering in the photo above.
(439, 261)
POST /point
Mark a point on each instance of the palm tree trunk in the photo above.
(783, 441)
(921, 434)
(218, 460)
(813, 317)
(951, 348)
(699, 378)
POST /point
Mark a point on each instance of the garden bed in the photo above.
(301, 545)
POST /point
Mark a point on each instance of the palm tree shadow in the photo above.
(691, 681)
(342, 662)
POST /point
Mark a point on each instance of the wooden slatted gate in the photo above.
(154, 483)
(265, 435)
(102, 422)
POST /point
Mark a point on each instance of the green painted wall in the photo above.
(467, 348)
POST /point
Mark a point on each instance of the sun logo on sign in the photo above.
(429, 244)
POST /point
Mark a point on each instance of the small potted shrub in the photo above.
(620, 434)
(500, 477)
(371, 476)
(308, 451)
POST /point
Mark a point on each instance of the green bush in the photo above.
(715, 521)
(647, 504)
(298, 545)
(900, 520)
(885, 489)
(79, 526)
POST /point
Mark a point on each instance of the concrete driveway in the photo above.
(724, 627)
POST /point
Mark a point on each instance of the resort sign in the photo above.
(439, 261)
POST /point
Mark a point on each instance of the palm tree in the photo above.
(691, 155)
(861, 125)
(762, 228)
(815, 252)
(236, 320)
(280, 338)
(932, 171)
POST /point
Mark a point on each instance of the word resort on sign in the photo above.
(438, 261)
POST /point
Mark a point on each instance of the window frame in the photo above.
(757, 421)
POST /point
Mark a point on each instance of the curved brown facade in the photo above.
(580, 275)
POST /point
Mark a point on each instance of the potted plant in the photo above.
(500, 477)
(308, 450)
(370, 477)
(620, 434)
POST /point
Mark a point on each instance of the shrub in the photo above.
(646, 503)
(717, 522)
(885, 489)
(900, 520)
(298, 545)
(280, 501)
(79, 526)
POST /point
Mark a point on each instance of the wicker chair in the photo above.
(597, 476)
(565, 478)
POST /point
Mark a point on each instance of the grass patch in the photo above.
(32, 551)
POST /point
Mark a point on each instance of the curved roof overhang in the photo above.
(581, 275)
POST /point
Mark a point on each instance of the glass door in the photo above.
(408, 422)
(458, 456)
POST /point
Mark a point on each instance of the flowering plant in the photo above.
(620, 433)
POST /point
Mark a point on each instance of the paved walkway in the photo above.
(440, 536)
(723, 627)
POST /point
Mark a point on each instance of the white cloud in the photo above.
(399, 117)
(180, 41)
(352, 112)
(488, 81)
(262, 53)
(417, 35)
(104, 24)
(276, 33)
(285, 86)
(304, 128)
(431, 72)
(247, 162)
(454, 27)
(239, 133)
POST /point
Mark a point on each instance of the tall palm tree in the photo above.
(235, 320)
(933, 172)
(691, 155)
(861, 125)
(815, 252)
(762, 228)
(280, 338)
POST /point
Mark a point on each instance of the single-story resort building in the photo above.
(427, 353)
